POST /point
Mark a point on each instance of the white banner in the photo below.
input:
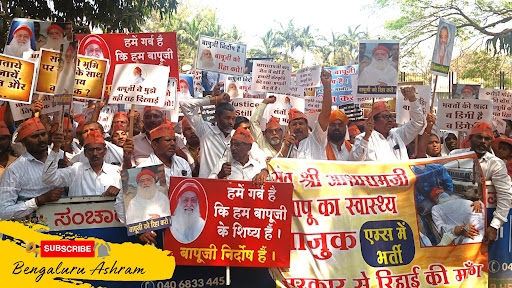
(271, 77)
(220, 56)
(461, 115)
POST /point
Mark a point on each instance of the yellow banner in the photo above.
(90, 78)
(369, 224)
(16, 78)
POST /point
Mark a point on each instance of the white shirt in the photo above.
(313, 146)
(142, 148)
(341, 155)
(20, 184)
(178, 166)
(494, 169)
(80, 178)
(257, 133)
(392, 148)
(214, 145)
(139, 209)
(372, 76)
(239, 171)
(114, 155)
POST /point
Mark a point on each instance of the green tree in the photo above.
(306, 41)
(481, 65)
(269, 47)
(286, 38)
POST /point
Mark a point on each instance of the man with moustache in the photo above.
(337, 147)
(270, 140)
(305, 145)
(20, 41)
(380, 140)
(232, 90)
(214, 140)
(93, 47)
(192, 147)
(83, 179)
(206, 59)
(21, 188)
(139, 147)
(380, 72)
(187, 222)
(114, 154)
(119, 136)
(480, 139)
(55, 37)
(137, 75)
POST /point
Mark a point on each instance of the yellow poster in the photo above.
(90, 78)
(16, 79)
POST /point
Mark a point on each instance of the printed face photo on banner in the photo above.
(66, 71)
(145, 194)
(444, 43)
(446, 202)
(185, 87)
(21, 38)
(94, 46)
(465, 91)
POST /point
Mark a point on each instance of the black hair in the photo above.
(223, 106)
(239, 120)
(95, 122)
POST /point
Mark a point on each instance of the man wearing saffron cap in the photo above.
(94, 47)
(305, 145)
(6, 158)
(21, 188)
(114, 154)
(270, 140)
(187, 223)
(149, 202)
(480, 139)
(337, 147)
(139, 147)
(380, 72)
(243, 166)
(118, 132)
(467, 92)
(353, 131)
(93, 178)
(380, 141)
(20, 41)
(55, 37)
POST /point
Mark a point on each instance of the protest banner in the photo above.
(296, 91)
(16, 79)
(238, 86)
(443, 48)
(48, 71)
(198, 79)
(281, 107)
(245, 106)
(157, 48)
(308, 76)
(65, 84)
(377, 78)
(371, 213)
(32, 56)
(271, 77)
(501, 109)
(185, 87)
(140, 84)
(341, 84)
(312, 104)
(146, 204)
(461, 115)
(22, 111)
(90, 78)
(235, 224)
(170, 96)
(403, 105)
(217, 55)
(106, 116)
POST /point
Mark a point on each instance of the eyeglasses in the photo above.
(387, 117)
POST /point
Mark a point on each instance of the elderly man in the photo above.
(93, 47)
(20, 41)
(380, 72)
(214, 140)
(149, 202)
(243, 166)
(382, 142)
(21, 188)
(187, 222)
(206, 58)
(270, 140)
(138, 148)
(83, 179)
(337, 147)
(480, 139)
(6, 158)
(192, 146)
(467, 92)
(303, 144)
(442, 51)
(114, 154)
(55, 37)
(137, 75)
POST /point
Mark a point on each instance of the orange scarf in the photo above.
(330, 152)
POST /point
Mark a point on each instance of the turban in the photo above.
(467, 87)
(338, 115)
(243, 135)
(353, 130)
(23, 27)
(94, 137)
(379, 107)
(56, 27)
(152, 108)
(66, 125)
(273, 123)
(29, 127)
(118, 127)
(165, 129)
(145, 172)
(4, 131)
(121, 115)
(380, 47)
(295, 114)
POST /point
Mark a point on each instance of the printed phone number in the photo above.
(217, 281)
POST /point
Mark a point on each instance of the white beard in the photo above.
(184, 221)
(233, 93)
(207, 62)
(380, 64)
(53, 44)
(146, 193)
(442, 49)
(17, 48)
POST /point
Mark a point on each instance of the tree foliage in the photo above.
(419, 19)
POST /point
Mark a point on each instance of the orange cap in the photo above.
(338, 115)
(4, 131)
(296, 114)
(273, 123)
(118, 127)
(23, 27)
(353, 130)
(121, 115)
(378, 107)
(151, 108)
(166, 129)
(184, 123)
(54, 26)
(243, 135)
(467, 87)
(145, 172)
(80, 127)
(94, 137)
(29, 127)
